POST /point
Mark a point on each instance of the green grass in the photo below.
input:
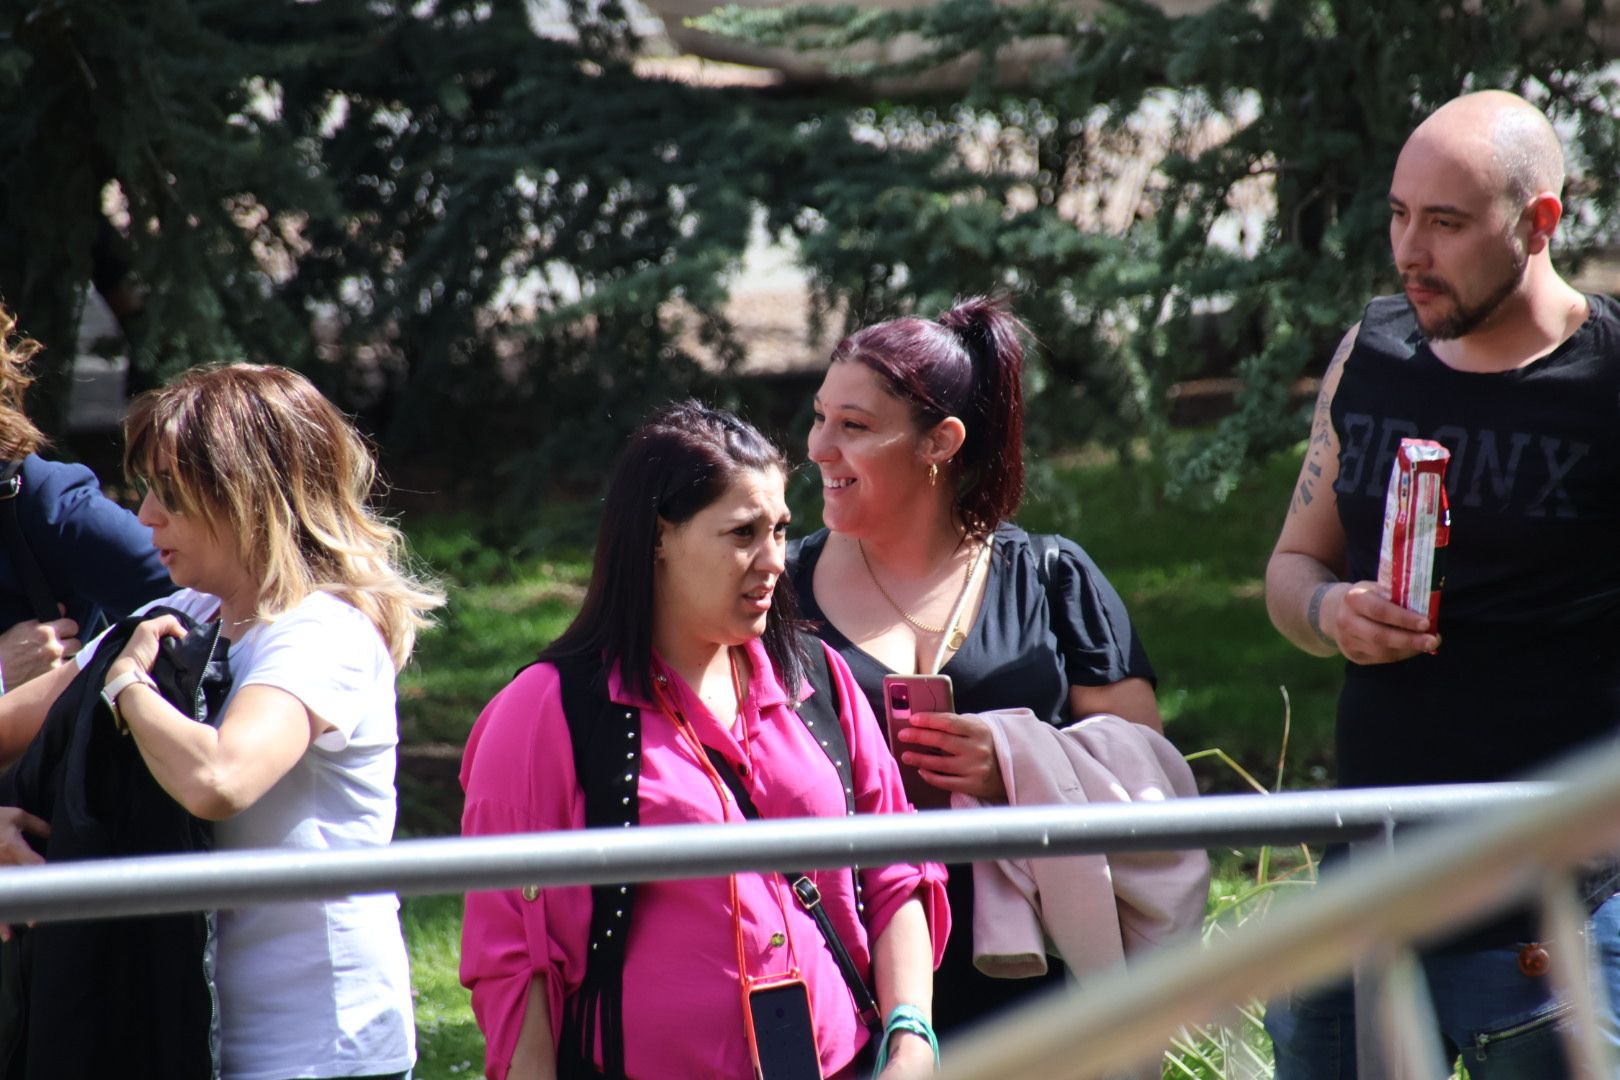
(448, 1041)
(1192, 578)
(503, 607)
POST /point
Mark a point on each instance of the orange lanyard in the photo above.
(683, 727)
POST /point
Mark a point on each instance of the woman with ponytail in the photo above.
(918, 435)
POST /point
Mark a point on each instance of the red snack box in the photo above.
(1417, 528)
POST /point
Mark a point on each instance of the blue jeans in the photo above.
(1505, 1025)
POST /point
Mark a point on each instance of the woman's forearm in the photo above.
(535, 1055)
(903, 961)
(216, 773)
(903, 971)
(23, 710)
(180, 753)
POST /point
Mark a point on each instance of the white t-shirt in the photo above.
(316, 988)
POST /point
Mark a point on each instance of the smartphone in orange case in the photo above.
(902, 696)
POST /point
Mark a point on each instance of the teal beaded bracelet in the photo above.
(910, 1019)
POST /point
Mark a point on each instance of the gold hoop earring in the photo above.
(933, 473)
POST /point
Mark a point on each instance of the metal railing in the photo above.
(1454, 875)
(155, 884)
(1517, 841)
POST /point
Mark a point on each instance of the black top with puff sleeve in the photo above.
(1018, 651)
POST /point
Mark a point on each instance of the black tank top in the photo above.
(1529, 665)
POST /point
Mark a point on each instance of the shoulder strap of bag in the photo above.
(820, 715)
(1047, 555)
(40, 599)
(809, 897)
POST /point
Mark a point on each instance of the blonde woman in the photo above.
(255, 492)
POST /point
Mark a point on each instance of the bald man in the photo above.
(1490, 352)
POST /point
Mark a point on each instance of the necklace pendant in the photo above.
(956, 639)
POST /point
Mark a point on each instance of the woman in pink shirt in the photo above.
(690, 621)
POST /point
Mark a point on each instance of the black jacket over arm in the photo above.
(128, 997)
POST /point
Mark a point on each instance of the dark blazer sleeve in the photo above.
(96, 557)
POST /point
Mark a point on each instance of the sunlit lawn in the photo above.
(448, 1041)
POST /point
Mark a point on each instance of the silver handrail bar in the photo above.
(1453, 875)
(157, 884)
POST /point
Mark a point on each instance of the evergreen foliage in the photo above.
(1312, 98)
(151, 115)
(466, 232)
(473, 235)
(352, 187)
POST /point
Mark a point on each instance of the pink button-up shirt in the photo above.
(682, 1002)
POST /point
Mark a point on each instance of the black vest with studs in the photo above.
(607, 762)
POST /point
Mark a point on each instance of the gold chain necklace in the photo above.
(957, 637)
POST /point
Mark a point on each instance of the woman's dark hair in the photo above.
(678, 461)
(967, 364)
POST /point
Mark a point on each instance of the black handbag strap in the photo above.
(32, 579)
(809, 897)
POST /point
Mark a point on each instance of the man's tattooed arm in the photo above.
(1321, 444)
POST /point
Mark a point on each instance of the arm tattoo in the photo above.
(1313, 613)
(1321, 430)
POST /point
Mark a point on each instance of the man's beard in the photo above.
(1464, 319)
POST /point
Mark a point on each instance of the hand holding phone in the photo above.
(902, 696)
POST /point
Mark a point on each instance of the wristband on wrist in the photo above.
(117, 686)
(908, 1019)
(1313, 613)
